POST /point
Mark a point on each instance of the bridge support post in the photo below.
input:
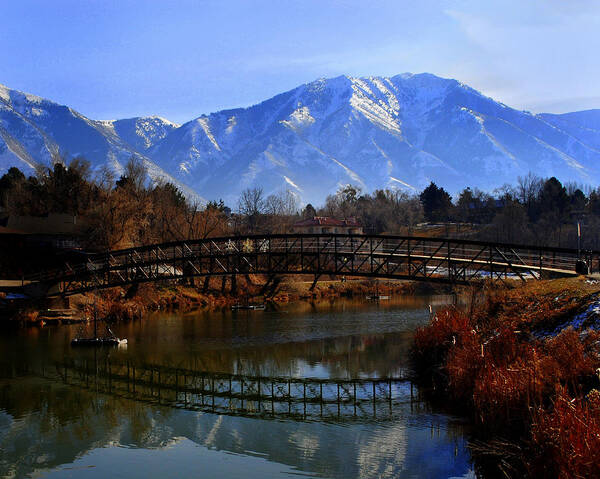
(206, 284)
(233, 284)
(265, 287)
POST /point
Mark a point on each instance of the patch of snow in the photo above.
(37, 112)
(204, 124)
(381, 115)
(165, 121)
(588, 319)
(572, 162)
(299, 119)
(231, 122)
(4, 93)
(384, 86)
(33, 98)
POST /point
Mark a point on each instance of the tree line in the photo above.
(115, 212)
(131, 210)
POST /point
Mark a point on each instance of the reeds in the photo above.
(516, 386)
(567, 437)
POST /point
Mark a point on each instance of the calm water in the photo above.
(68, 412)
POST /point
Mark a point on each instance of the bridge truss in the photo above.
(395, 257)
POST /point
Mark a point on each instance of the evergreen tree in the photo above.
(437, 204)
(309, 211)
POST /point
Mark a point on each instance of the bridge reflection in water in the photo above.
(62, 416)
(234, 394)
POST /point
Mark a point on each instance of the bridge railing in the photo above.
(558, 258)
(389, 256)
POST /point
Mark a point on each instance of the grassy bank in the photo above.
(522, 363)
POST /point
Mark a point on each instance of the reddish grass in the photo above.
(567, 437)
(432, 342)
(518, 386)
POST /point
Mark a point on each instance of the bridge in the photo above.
(456, 261)
(230, 394)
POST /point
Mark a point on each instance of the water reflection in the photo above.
(48, 425)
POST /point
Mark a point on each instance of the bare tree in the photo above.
(81, 167)
(105, 178)
(529, 188)
(136, 173)
(251, 202)
(251, 206)
(282, 204)
(206, 222)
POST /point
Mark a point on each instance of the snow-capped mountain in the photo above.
(37, 132)
(398, 132)
(376, 132)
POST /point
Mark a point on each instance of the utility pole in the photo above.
(578, 240)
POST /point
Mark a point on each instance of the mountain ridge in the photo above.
(35, 132)
(407, 108)
(377, 132)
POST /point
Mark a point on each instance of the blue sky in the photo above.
(178, 59)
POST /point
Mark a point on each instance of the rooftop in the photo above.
(327, 221)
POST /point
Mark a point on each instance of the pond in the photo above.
(315, 390)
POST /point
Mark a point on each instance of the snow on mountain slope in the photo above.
(142, 133)
(376, 132)
(583, 125)
(398, 132)
(37, 132)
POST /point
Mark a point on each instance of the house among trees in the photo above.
(326, 224)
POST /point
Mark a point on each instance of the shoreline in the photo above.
(122, 304)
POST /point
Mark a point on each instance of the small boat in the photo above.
(110, 340)
(98, 341)
(378, 297)
(248, 307)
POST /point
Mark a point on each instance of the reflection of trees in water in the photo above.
(373, 355)
(342, 339)
(377, 355)
(49, 424)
